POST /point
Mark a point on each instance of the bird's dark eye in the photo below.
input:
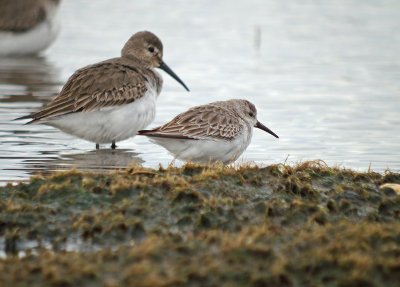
(151, 49)
(251, 114)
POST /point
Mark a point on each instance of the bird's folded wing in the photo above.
(20, 15)
(203, 122)
(95, 87)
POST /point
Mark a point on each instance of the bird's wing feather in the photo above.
(203, 122)
(95, 87)
(20, 15)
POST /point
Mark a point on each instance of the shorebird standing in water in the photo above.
(111, 100)
(27, 27)
(219, 131)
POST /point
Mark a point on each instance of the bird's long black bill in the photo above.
(264, 128)
(164, 67)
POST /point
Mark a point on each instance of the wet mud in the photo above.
(196, 225)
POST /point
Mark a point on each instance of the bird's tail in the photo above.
(25, 118)
(143, 132)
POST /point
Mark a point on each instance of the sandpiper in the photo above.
(27, 27)
(111, 100)
(219, 131)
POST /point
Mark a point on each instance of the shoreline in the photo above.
(199, 225)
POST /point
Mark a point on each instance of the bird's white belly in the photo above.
(109, 124)
(30, 42)
(203, 151)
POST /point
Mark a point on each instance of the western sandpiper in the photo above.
(111, 100)
(219, 131)
(27, 27)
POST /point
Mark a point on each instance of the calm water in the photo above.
(325, 77)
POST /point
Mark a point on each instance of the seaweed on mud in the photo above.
(202, 225)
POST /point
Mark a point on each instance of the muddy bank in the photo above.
(308, 225)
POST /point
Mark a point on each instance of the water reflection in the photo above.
(95, 160)
(27, 79)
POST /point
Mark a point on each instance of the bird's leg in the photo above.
(97, 146)
(113, 146)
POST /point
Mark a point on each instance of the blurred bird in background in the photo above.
(27, 27)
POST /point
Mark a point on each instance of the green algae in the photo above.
(307, 225)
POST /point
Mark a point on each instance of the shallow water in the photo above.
(324, 76)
